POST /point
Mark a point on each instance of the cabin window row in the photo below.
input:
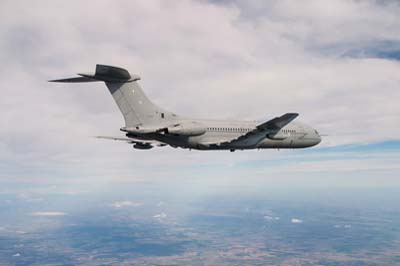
(232, 129)
(243, 129)
(288, 131)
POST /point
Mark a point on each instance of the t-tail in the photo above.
(137, 109)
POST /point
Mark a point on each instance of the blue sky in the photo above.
(334, 62)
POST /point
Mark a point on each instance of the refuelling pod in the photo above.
(143, 146)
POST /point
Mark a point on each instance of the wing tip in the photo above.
(292, 114)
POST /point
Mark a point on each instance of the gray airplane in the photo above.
(147, 125)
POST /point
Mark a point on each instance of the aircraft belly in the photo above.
(213, 141)
(210, 141)
(211, 138)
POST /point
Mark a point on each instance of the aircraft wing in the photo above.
(261, 131)
(278, 122)
(138, 143)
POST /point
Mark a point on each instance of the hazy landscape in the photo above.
(139, 223)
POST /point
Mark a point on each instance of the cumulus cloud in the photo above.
(50, 214)
(121, 204)
(346, 226)
(328, 61)
(160, 216)
(296, 221)
(271, 218)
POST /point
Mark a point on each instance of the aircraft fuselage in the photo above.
(293, 136)
(147, 125)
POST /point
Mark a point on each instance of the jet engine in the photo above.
(276, 136)
(187, 129)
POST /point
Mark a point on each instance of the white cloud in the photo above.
(273, 56)
(347, 226)
(48, 214)
(296, 221)
(271, 218)
(160, 216)
(121, 204)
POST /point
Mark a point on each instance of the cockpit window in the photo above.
(316, 132)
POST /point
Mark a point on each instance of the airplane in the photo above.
(147, 125)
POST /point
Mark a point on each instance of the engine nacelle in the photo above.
(276, 136)
(187, 129)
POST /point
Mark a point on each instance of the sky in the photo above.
(334, 62)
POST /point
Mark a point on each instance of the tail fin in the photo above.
(134, 105)
(103, 73)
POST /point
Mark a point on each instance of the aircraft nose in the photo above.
(317, 137)
(313, 137)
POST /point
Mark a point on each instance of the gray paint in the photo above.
(147, 125)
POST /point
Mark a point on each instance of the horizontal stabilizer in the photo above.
(74, 80)
(104, 73)
(134, 141)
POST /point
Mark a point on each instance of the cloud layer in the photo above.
(332, 61)
(296, 221)
(48, 214)
(125, 203)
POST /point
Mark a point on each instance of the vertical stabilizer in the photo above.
(134, 105)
